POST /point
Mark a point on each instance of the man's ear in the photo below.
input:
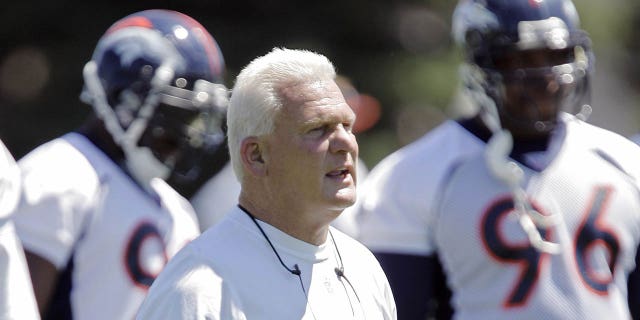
(251, 153)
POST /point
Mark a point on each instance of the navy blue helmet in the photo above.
(527, 60)
(155, 80)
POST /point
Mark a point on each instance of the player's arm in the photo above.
(44, 277)
(418, 285)
(634, 289)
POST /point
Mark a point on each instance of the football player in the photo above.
(97, 219)
(526, 211)
(16, 293)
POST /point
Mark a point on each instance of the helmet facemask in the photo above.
(164, 133)
(152, 82)
(186, 125)
(533, 76)
(531, 87)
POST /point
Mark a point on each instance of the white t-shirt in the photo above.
(231, 272)
(219, 195)
(16, 292)
(86, 216)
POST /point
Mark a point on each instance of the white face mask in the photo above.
(143, 165)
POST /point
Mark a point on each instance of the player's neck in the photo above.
(476, 126)
(94, 130)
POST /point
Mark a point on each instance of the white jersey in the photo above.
(216, 197)
(220, 193)
(231, 272)
(16, 292)
(398, 195)
(587, 182)
(81, 212)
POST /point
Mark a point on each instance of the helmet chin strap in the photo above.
(140, 161)
(509, 172)
(497, 158)
(143, 166)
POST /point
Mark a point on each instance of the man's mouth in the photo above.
(342, 172)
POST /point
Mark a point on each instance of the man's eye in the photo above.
(318, 131)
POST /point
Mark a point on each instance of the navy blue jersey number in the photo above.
(525, 256)
(591, 234)
(137, 260)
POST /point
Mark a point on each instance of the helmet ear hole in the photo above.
(474, 39)
(146, 72)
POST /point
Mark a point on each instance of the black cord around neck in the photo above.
(340, 270)
(296, 270)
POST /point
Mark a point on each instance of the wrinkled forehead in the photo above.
(300, 93)
(315, 99)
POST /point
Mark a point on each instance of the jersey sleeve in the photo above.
(619, 151)
(391, 217)
(397, 202)
(58, 187)
(16, 299)
(9, 183)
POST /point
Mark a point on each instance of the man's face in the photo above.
(533, 89)
(311, 155)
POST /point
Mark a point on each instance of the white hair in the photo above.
(256, 97)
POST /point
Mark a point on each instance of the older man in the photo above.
(276, 257)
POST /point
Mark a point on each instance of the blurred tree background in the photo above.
(396, 51)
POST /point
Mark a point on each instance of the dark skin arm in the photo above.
(44, 277)
(418, 286)
(633, 284)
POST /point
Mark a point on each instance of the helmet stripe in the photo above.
(135, 21)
